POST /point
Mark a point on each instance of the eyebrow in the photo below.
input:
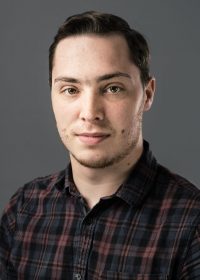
(113, 75)
(99, 79)
(66, 79)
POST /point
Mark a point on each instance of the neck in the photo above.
(95, 183)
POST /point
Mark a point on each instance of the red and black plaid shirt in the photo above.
(148, 230)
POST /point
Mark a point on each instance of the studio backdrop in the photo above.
(29, 142)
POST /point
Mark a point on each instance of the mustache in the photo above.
(92, 127)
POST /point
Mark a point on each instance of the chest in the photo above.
(107, 243)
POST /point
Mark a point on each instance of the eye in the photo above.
(114, 89)
(69, 91)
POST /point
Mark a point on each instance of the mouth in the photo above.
(92, 138)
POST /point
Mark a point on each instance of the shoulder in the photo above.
(43, 185)
(179, 185)
(179, 198)
(29, 195)
(40, 186)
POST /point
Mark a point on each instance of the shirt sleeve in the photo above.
(191, 266)
(7, 230)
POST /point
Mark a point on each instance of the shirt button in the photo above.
(77, 276)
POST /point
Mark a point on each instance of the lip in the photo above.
(92, 138)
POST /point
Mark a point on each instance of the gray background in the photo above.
(29, 143)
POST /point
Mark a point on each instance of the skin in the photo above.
(98, 100)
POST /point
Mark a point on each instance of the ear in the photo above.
(149, 92)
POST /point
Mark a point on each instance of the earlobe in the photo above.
(149, 94)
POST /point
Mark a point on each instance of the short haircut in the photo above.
(92, 22)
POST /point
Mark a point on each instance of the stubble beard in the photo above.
(134, 138)
(106, 161)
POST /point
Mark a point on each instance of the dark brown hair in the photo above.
(100, 23)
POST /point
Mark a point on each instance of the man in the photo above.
(114, 213)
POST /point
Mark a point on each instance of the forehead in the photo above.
(92, 54)
(86, 38)
(95, 45)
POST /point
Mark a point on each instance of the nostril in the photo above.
(92, 118)
(92, 115)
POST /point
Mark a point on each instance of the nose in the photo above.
(92, 108)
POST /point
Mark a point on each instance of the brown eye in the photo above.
(69, 91)
(114, 89)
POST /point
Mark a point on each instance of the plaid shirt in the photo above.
(148, 230)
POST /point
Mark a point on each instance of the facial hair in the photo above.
(133, 137)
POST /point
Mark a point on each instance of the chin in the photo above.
(95, 164)
(93, 161)
(98, 162)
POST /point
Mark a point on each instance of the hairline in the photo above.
(95, 34)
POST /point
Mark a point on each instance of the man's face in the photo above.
(98, 99)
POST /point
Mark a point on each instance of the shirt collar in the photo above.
(135, 188)
(140, 180)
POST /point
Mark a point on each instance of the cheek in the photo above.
(62, 124)
(61, 114)
(125, 120)
(128, 125)
(121, 123)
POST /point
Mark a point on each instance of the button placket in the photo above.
(77, 276)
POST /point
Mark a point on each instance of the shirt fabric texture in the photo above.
(148, 230)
